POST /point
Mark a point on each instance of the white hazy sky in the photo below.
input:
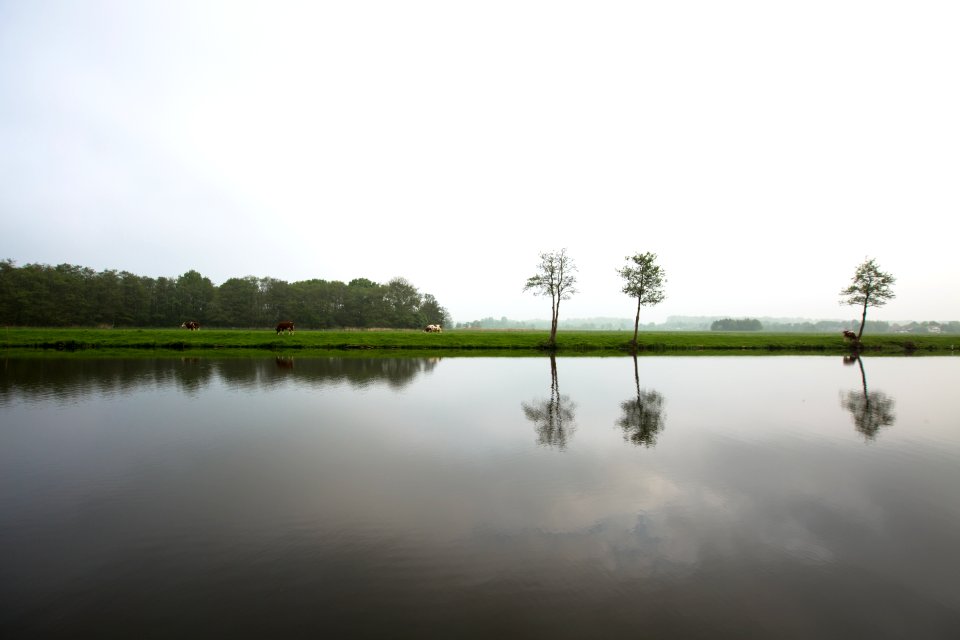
(762, 149)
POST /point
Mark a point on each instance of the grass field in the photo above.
(112, 340)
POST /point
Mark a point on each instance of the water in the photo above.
(781, 497)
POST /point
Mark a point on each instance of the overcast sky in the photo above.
(761, 149)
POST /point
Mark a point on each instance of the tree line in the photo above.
(70, 295)
(736, 324)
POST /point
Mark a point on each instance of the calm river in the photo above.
(667, 497)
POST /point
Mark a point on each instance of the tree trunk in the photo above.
(553, 321)
(863, 319)
(636, 326)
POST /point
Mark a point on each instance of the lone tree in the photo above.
(554, 278)
(643, 280)
(870, 288)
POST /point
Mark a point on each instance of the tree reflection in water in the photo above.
(643, 416)
(553, 417)
(73, 376)
(871, 410)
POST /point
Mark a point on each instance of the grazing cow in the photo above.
(192, 325)
(849, 335)
(433, 328)
(285, 325)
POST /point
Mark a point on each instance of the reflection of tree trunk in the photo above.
(863, 376)
(554, 386)
(552, 417)
(553, 406)
(870, 410)
(642, 416)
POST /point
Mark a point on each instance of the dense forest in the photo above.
(69, 295)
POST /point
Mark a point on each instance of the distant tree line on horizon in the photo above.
(736, 324)
(575, 324)
(70, 295)
(704, 323)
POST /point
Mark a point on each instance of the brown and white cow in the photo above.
(433, 328)
(192, 325)
(284, 325)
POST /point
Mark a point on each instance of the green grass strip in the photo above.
(224, 341)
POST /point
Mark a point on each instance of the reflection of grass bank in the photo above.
(226, 342)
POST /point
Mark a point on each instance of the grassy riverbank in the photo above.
(466, 340)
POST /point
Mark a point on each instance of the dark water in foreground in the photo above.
(691, 497)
